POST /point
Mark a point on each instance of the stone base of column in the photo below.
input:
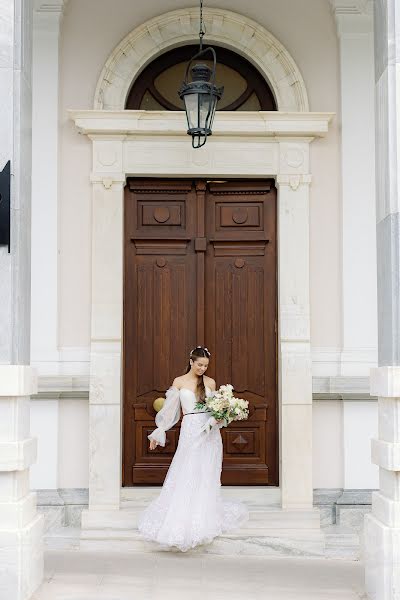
(382, 527)
(21, 527)
(381, 559)
(21, 560)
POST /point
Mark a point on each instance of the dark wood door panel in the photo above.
(235, 311)
(241, 320)
(165, 286)
(159, 314)
(200, 262)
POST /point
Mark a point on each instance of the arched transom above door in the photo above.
(224, 28)
(156, 88)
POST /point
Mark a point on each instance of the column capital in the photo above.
(294, 163)
(353, 17)
(51, 6)
(352, 7)
(293, 180)
(48, 15)
(108, 179)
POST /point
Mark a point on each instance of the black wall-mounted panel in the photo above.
(5, 176)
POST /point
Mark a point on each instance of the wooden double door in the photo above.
(200, 268)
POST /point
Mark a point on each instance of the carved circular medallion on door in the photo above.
(239, 263)
(161, 262)
(240, 215)
(161, 214)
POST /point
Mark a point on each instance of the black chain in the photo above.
(201, 32)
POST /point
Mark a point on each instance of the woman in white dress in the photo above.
(189, 509)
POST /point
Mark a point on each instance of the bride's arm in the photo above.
(167, 416)
(212, 384)
(213, 387)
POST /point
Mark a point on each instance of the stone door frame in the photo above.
(155, 144)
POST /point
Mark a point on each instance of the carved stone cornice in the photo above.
(279, 125)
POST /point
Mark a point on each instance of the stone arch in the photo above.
(179, 27)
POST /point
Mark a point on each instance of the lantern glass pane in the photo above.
(212, 113)
(192, 104)
(204, 110)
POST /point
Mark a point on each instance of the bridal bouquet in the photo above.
(223, 405)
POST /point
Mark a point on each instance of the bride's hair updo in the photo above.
(199, 352)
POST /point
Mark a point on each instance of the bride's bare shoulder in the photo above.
(210, 382)
(178, 382)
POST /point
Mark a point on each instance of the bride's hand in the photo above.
(153, 444)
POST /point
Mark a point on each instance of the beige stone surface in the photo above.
(163, 575)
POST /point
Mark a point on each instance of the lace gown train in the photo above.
(189, 509)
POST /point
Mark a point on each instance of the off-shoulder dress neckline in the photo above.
(194, 393)
(185, 388)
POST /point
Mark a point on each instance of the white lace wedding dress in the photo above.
(189, 509)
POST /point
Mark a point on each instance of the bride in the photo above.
(189, 509)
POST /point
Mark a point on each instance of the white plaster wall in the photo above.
(328, 457)
(73, 444)
(62, 430)
(360, 425)
(44, 426)
(90, 30)
(342, 433)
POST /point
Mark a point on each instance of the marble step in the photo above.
(261, 518)
(251, 495)
(247, 542)
(342, 542)
(270, 531)
(334, 542)
(63, 538)
(132, 534)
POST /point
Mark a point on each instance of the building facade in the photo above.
(285, 218)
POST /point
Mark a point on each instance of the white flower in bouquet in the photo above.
(224, 406)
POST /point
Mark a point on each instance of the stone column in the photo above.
(382, 527)
(356, 45)
(354, 22)
(106, 327)
(21, 556)
(21, 527)
(44, 329)
(294, 322)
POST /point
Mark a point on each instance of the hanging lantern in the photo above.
(201, 94)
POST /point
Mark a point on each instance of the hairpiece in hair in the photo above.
(201, 348)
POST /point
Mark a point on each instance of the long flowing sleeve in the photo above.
(166, 418)
(212, 422)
